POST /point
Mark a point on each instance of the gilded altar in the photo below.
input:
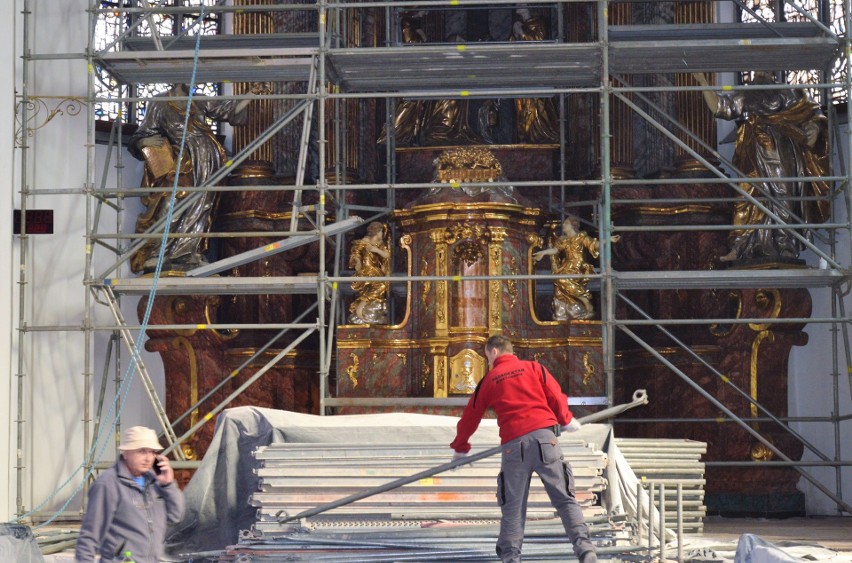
(469, 251)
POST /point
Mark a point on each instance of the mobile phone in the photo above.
(157, 469)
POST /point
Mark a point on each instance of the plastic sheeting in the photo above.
(217, 496)
(18, 544)
(752, 549)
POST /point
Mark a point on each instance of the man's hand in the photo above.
(457, 456)
(166, 474)
(572, 426)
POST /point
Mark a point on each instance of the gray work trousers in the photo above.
(538, 452)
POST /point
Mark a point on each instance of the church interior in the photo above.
(280, 234)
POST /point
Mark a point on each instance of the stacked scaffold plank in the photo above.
(671, 461)
(452, 516)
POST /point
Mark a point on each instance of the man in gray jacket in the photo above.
(131, 504)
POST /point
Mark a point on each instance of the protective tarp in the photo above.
(217, 496)
(18, 544)
(753, 549)
(623, 496)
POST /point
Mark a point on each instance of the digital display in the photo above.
(39, 221)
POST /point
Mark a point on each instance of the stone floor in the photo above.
(803, 537)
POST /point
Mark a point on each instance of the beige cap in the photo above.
(139, 437)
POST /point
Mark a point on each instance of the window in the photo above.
(108, 37)
(833, 19)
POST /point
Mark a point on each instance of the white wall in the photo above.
(813, 374)
(7, 158)
(54, 361)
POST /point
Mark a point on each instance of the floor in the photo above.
(833, 533)
(799, 536)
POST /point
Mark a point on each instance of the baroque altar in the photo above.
(436, 347)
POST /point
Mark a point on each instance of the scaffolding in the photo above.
(335, 69)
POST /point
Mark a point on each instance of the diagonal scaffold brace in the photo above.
(640, 397)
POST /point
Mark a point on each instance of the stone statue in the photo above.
(571, 297)
(783, 135)
(157, 143)
(536, 119)
(410, 114)
(370, 257)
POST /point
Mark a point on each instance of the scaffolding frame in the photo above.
(373, 73)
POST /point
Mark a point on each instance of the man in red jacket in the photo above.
(531, 409)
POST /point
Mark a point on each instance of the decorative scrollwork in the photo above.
(512, 284)
(35, 109)
(588, 368)
(352, 370)
(426, 285)
(470, 238)
(426, 372)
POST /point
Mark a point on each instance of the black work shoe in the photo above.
(588, 557)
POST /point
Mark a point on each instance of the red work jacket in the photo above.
(524, 395)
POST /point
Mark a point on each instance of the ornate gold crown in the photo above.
(467, 164)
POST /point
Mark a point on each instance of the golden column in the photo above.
(260, 112)
(621, 116)
(690, 107)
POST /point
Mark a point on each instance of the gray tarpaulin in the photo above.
(217, 496)
(18, 545)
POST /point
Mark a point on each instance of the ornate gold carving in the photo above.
(441, 307)
(535, 242)
(721, 331)
(760, 452)
(766, 299)
(467, 368)
(468, 239)
(511, 284)
(352, 370)
(188, 451)
(212, 302)
(755, 347)
(426, 285)
(467, 164)
(588, 369)
(426, 372)
(495, 287)
(177, 305)
(193, 375)
(405, 244)
(440, 366)
(442, 372)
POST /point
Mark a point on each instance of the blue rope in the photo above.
(124, 389)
